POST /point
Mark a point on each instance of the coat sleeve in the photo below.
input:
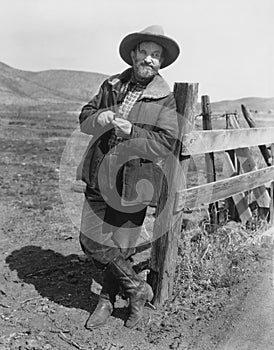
(90, 112)
(159, 142)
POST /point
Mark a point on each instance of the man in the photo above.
(134, 125)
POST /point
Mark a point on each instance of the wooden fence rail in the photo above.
(199, 142)
(214, 191)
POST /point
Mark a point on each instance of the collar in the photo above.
(156, 89)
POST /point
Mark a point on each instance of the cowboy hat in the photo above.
(153, 33)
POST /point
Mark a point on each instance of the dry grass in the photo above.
(210, 261)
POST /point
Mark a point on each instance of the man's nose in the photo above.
(148, 59)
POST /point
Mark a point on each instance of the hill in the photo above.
(258, 104)
(61, 89)
(50, 89)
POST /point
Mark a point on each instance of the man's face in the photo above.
(147, 59)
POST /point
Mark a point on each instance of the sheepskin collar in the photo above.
(157, 88)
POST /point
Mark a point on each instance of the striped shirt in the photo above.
(130, 99)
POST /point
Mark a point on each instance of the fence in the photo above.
(165, 248)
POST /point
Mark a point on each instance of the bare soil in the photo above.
(45, 281)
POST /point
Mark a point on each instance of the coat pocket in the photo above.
(142, 183)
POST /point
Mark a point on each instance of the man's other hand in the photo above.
(105, 118)
(122, 125)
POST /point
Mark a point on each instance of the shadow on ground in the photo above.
(66, 280)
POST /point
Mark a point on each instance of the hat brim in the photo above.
(130, 42)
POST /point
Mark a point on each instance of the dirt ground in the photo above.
(47, 286)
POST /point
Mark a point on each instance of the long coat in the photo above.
(154, 131)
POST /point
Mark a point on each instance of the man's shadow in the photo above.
(66, 280)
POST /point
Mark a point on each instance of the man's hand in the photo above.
(122, 125)
(105, 118)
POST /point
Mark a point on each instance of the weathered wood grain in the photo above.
(247, 164)
(167, 226)
(209, 159)
(198, 142)
(240, 199)
(248, 117)
(219, 190)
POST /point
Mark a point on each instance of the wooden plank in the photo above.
(168, 225)
(240, 200)
(207, 125)
(198, 142)
(248, 117)
(221, 189)
(247, 164)
(233, 213)
(209, 160)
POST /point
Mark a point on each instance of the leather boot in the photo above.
(136, 289)
(104, 308)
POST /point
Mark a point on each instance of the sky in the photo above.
(227, 46)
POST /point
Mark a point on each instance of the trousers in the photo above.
(106, 232)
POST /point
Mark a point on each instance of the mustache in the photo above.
(150, 65)
(147, 64)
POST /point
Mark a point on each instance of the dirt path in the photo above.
(247, 320)
(254, 328)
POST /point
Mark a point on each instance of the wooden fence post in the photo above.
(209, 161)
(232, 211)
(262, 212)
(240, 199)
(248, 117)
(168, 223)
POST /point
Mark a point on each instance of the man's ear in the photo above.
(132, 55)
(161, 60)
